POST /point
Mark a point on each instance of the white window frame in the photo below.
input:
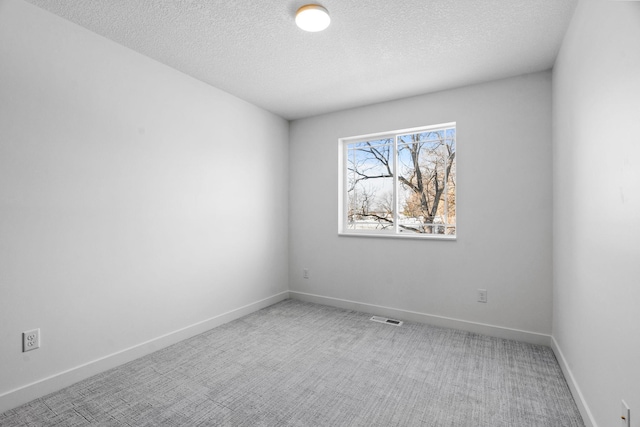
(394, 232)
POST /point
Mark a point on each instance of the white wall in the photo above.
(134, 201)
(596, 215)
(504, 213)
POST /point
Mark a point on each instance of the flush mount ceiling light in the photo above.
(313, 18)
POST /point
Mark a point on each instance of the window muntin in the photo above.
(417, 201)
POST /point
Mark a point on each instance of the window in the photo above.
(400, 183)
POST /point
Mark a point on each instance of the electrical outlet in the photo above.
(30, 340)
(482, 295)
(625, 415)
(305, 273)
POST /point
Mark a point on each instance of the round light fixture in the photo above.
(312, 17)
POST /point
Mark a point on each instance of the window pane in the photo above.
(370, 185)
(426, 198)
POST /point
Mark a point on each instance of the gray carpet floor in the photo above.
(302, 364)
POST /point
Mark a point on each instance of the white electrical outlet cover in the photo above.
(30, 340)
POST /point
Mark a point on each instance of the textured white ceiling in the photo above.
(373, 51)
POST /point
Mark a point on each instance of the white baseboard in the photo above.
(29, 392)
(587, 417)
(446, 322)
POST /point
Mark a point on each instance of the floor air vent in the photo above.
(387, 321)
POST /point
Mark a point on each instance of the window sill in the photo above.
(399, 236)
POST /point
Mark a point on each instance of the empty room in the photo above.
(236, 213)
